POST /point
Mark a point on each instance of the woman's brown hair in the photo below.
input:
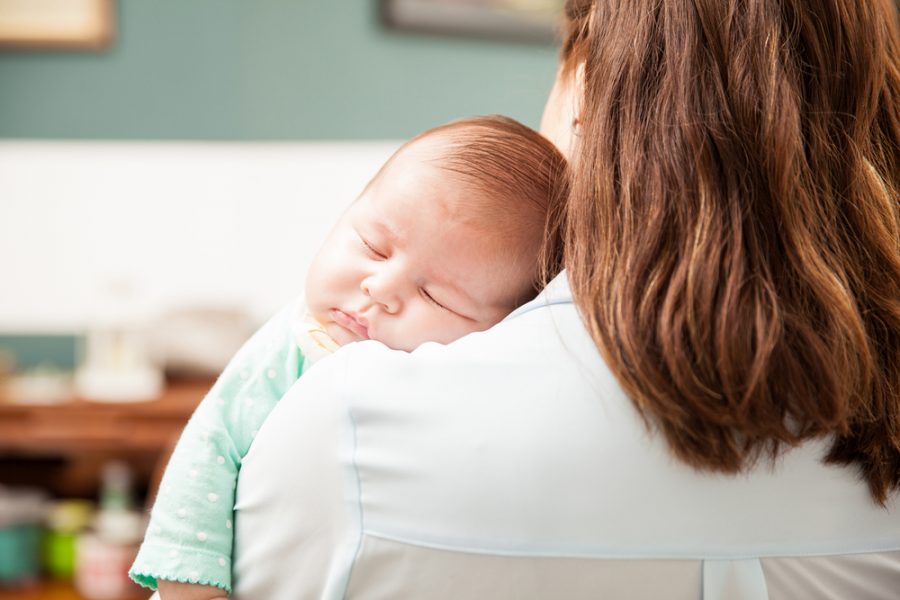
(732, 236)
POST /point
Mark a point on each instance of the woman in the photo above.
(707, 402)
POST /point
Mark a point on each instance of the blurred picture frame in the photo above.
(56, 24)
(534, 21)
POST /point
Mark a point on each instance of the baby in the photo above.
(444, 241)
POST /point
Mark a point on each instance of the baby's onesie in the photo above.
(190, 534)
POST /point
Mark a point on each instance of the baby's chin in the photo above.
(411, 344)
(340, 335)
(393, 343)
(343, 337)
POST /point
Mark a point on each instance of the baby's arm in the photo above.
(173, 590)
(189, 539)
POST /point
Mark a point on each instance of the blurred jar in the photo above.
(66, 519)
(104, 553)
(22, 513)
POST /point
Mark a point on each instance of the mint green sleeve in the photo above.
(190, 534)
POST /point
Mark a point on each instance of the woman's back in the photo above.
(387, 475)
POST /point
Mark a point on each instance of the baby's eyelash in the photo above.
(432, 300)
(371, 248)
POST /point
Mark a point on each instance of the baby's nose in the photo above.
(380, 290)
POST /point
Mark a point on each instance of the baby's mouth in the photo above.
(351, 322)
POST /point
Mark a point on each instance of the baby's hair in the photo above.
(519, 178)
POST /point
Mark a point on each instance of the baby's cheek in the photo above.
(314, 285)
(399, 338)
(451, 328)
(421, 324)
(405, 333)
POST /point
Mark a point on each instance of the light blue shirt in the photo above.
(510, 464)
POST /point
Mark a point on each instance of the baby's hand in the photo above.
(174, 590)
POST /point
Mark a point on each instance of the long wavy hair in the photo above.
(732, 236)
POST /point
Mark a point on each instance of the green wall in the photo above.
(266, 69)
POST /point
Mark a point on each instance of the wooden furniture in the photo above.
(62, 447)
(42, 591)
(50, 590)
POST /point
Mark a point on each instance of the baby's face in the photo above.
(403, 266)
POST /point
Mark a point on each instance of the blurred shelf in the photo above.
(62, 447)
(54, 590)
(81, 425)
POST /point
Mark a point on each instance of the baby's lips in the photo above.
(350, 322)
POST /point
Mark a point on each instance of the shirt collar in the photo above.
(556, 292)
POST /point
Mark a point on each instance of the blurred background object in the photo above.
(66, 520)
(22, 511)
(116, 365)
(198, 341)
(521, 20)
(43, 24)
(105, 551)
(162, 191)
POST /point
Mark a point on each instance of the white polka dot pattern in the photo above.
(186, 540)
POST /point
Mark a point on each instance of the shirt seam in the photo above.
(610, 555)
(357, 481)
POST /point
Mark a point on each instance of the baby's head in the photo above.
(444, 240)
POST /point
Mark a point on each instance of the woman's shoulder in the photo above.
(544, 338)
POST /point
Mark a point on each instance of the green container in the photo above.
(66, 519)
(59, 554)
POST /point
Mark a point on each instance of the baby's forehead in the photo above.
(470, 182)
(431, 162)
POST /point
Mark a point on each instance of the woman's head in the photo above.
(733, 233)
(444, 241)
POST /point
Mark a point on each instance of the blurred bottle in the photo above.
(105, 552)
(115, 493)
